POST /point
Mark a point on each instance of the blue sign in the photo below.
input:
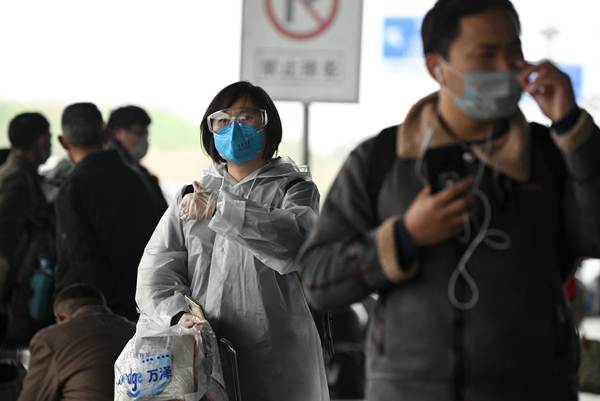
(575, 72)
(401, 38)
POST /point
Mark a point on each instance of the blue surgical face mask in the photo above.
(239, 143)
(489, 95)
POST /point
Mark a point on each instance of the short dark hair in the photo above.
(82, 125)
(74, 296)
(260, 99)
(441, 24)
(24, 130)
(127, 116)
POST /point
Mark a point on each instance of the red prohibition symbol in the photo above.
(321, 22)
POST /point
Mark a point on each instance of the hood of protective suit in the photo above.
(279, 167)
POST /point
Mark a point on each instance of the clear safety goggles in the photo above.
(247, 115)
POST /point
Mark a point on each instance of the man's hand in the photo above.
(188, 320)
(550, 87)
(431, 219)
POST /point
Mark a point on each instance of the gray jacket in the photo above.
(21, 200)
(518, 342)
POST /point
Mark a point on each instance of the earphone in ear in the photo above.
(437, 72)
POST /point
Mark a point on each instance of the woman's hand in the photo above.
(199, 205)
(188, 320)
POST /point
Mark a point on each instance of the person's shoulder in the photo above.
(14, 170)
(82, 174)
(120, 320)
(96, 322)
(119, 324)
(74, 183)
(102, 169)
(6, 170)
(147, 172)
(48, 336)
(373, 148)
(12, 180)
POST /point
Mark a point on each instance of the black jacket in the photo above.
(105, 214)
(518, 342)
(150, 178)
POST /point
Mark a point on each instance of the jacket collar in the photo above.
(100, 156)
(87, 310)
(509, 153)
(277, 167)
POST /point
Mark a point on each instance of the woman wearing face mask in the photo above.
(230, 242)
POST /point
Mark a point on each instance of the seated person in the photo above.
(73, 359)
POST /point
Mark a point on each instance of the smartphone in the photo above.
(195, 307)
(445, 165)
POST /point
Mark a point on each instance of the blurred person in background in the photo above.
(73, 359)
(105, 213)
(476, 219)
(26, 223)
(230, 241)
(129, 135)
(4, 155)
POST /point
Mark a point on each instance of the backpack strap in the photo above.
(381, 159)
(188, 189)
(292, 183)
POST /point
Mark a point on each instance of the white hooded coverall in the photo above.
(240, 265)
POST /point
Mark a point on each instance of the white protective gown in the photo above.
(241, 266)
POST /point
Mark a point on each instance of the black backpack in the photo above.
(381, 158)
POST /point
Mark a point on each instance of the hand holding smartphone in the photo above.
(445, 165)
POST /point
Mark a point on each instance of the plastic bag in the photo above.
(175, 364)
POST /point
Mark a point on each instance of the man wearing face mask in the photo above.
(468, 266)
(128, 130)
(24, 212)
(104, 213)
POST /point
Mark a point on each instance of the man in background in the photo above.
(4, 155)
(129, 135)
(26, 220)
(478, 218)
(104, 216)
(73, 359)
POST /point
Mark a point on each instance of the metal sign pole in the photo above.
(305, 149)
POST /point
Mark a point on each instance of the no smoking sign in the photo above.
(306, 50)
(301, 19)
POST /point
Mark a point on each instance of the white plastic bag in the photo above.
(175, 364)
